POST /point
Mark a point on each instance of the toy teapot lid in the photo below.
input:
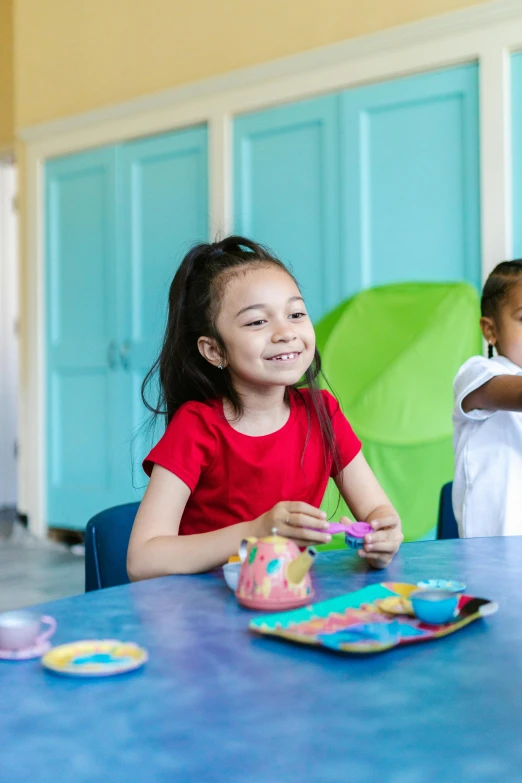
(273, 539)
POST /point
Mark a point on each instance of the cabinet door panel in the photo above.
(286, 192)
(82, 426)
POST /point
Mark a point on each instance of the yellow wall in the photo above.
(76, 55)
(6, 75)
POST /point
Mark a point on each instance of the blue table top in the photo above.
(217, 703)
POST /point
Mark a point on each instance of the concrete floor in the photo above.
(33, 571)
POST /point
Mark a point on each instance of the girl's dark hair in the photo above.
(195, 298)
(497, 287)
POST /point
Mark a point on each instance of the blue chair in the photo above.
(447, 525)
(106, 540)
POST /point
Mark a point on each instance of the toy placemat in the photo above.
(370, 620)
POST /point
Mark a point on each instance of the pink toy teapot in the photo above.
(274, 574)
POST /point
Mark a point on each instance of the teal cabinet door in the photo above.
(163, 210)
(287, 191)
(410, 179)
(516, 152)
(118, 221)
(81, 328)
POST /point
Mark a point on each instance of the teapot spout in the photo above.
(299, 567)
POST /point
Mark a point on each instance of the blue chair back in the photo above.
(106, 541)
(447, 526)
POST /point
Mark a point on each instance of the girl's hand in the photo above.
(296, 520)
(381, 546)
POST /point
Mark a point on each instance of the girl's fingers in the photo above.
(383, 547)
(298, 507)
(378, 560)
(304, 520)
(304, 536)
(384, 535)
(386, 523)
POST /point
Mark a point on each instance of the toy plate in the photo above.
(370, 620)
(442, 584)
(95, 658)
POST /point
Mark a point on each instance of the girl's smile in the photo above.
(284, 357)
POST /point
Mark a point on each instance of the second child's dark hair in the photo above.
(497, 287)
(195, 298)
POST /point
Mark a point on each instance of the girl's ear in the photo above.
(489, 330)
(209, 350)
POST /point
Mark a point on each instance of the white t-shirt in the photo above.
(487, 488)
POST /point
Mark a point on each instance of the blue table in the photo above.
(216, 703)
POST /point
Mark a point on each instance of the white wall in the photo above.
(8, 338)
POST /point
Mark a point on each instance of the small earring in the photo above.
(220, 366)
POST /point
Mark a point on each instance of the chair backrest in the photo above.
(447, 526)
(106, 540)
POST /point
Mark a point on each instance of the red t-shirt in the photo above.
(235, 477)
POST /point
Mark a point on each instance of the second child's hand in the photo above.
(301, 522)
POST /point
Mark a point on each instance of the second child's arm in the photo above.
(502, 393)
(156, 549)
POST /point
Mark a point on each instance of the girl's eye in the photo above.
(260, 322)
(297, 316)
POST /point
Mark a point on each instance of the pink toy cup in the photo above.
(20, 630)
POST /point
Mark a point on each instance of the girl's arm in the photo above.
(156, 549)
(502, 393)
(368, 502)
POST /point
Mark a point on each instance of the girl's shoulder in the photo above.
(473, 364)
(194, 413)
(480, 367)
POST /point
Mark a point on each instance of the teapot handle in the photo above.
(243, 547)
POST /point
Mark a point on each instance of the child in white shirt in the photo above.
(487, 418)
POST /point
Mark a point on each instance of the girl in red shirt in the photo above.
(250, 440)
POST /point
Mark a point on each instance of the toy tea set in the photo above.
(272, 575)
(21, 639)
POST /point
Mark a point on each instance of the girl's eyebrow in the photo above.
(263, 306)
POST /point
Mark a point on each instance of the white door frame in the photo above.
(8, 334)
(486, 33)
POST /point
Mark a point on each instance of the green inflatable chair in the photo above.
(390, 355)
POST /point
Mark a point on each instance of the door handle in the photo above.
(125, 350)
(112, 354)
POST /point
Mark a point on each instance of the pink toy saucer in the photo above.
(26, 655)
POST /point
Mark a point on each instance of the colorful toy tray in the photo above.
(370, 620)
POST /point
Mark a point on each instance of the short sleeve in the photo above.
(472, 375)
(187, 447)
(348, 443)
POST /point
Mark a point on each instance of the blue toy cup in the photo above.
(434, 607)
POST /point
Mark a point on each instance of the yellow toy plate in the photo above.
(95, 658)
